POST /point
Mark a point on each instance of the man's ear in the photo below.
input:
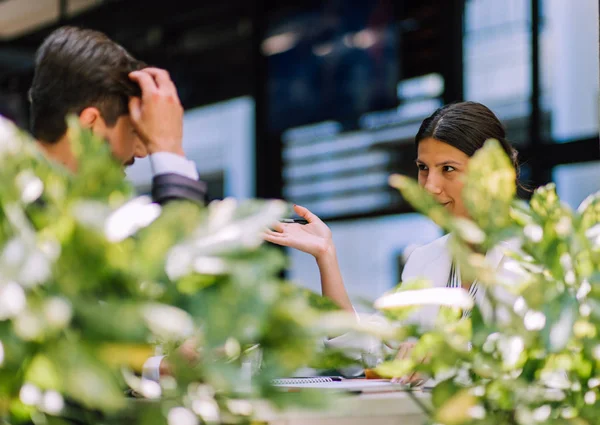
(91, 118)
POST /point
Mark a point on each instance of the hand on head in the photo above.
(158, 115)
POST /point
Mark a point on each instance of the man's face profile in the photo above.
(124, 142)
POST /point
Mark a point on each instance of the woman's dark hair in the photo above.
(466, 126)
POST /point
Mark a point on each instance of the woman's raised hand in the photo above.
(313, 238)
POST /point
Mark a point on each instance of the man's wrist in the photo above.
(172, 163)
(156, 148)
(153, 368)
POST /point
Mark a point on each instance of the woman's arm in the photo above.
(315, 239)
(332, 283)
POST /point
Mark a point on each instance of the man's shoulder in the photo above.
(172, 186)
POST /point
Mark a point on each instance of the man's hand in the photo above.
(158, 115)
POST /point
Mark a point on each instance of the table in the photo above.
(390, 408)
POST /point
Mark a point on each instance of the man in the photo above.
(135, 108)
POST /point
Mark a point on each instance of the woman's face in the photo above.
(441, 171)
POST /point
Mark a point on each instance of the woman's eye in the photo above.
(422, 167)
(449, 168)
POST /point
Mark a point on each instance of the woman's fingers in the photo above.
(414, 379)
(275, 238)
(283, 227)
(405, 350)
(278, 227)
(306, 214)
(401, 352)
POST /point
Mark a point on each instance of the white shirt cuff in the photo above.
(151, 368)
(170, 163)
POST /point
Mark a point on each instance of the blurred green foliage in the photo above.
(92, 280)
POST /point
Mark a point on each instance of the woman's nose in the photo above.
(432, 184)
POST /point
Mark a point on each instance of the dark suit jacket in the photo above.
(169, 187)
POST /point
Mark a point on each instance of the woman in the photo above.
(444, 143)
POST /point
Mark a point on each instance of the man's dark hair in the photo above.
(74, 69)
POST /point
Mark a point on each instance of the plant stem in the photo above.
(419, 403)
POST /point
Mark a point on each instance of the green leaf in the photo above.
(43, 373)
(589, 211)
(316, 301)
(112, 321)
(545, 202)
(560, 317)
(443, 391)
(99, 174)
(490, 186)
(421, 200)
(333, 360)
(395, 368)
(411, 284)
(456, 409)
(86, 379)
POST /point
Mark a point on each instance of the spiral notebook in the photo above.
(339, 383)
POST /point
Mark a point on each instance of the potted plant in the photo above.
(539, 362)
(91, 281)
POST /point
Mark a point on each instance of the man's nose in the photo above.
(140, 150)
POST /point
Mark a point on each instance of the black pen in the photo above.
(294, 220)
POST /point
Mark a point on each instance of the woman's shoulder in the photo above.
(425, 254)
(435, 247)
(439, 246)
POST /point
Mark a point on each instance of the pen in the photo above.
(331, 378)
(294, 220)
